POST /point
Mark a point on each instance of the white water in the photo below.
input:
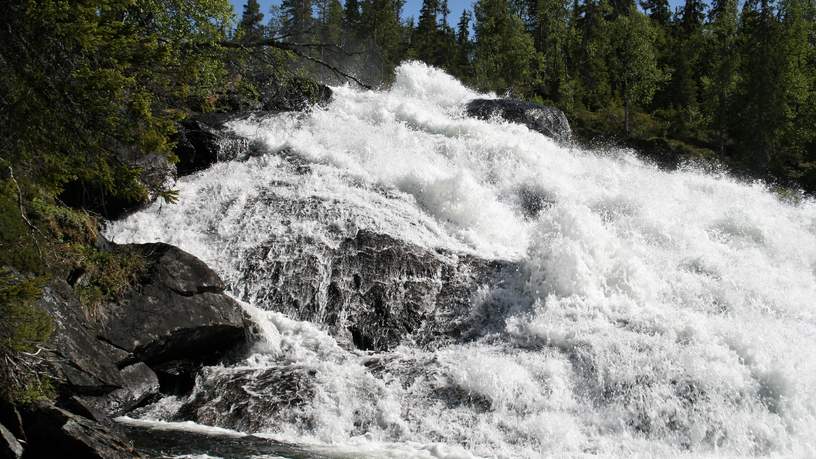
(673, 312)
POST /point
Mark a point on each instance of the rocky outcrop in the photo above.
(54, 432)
(175, 318)
(547, 120)
(79, 362)
(202, 140)
(247, 399)
(179, 311)
(373, 290)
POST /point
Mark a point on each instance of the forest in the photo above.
(730, 81)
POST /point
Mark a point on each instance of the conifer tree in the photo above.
(504, 51)
(297, 22)
(722, 80)
(635, 69)
(251, 26)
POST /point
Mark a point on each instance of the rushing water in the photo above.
(658, 313)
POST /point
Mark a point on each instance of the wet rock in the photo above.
(293, 94)
(141, 385)
(10, 448)
(546, 120)
(248, 400)
(166, 442)
(204, 141)
(81, 365)
(372, 289)
(179, 311)
(54, 432)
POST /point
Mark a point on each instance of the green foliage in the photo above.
(504, 52)
(106, 275)
(23, 329)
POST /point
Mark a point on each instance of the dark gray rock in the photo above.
(248, 400)
(547, 120)
(293, 94)
(10, 417)
(373, 290)
(79, 363)
(179, 311)
(141, 385)
(10, 448)
(203, 141)
(54, 432)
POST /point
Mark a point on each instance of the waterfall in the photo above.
(602, 306)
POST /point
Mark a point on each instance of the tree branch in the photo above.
(294, 48)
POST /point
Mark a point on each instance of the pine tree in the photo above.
(761, 109)
(297, 21)
(722, 81)
(591, 54)
(351, 18)
(658, 11)
(251, 27)
(424, 41)
(635, 69)
(462, 68)
(504, 51)
(380, 25)
(549, 26)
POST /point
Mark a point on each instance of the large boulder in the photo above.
(54, 432)
(372, 289)
(179, 311)
(78, 361)
(547, 120)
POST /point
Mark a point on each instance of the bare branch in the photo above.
(294, 49)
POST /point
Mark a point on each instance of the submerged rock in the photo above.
(547, 120)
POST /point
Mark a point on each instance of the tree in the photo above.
(760, 114)
(462, 68)
(635, 69)
(721, 84)
(658, 11)
(549, 26)
(251, 26)
(351, 18)
(297, 21)
(504, 51)
(380, 24)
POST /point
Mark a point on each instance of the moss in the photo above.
(24, 328)
(106, 275)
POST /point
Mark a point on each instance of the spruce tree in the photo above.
(297, 21)
(504, 50)
(634, 63)
(251, 26)
(723, 77)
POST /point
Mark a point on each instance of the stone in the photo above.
(78, 360)
(547, 120)
(10, 448)
(54, 432)
(373, 289)
(179, 311)
(140, 386)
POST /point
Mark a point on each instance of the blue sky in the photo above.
(411, 7)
